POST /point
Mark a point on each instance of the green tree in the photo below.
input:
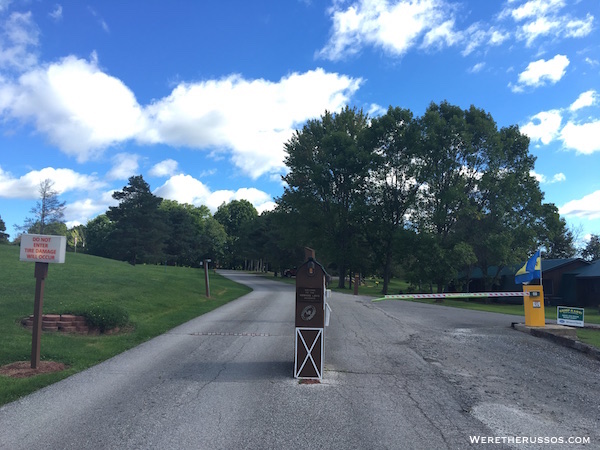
(394, 183)
(478, 191)
(139, 226)
(501, 220)
(48, 212)
(554, 234)
(238, 218)
(591, 252)
(3, 235)
(193, 234)
(326, 185)
(98, 236)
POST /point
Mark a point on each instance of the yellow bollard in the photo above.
(534, 306)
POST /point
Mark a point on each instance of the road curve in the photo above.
(397, 375)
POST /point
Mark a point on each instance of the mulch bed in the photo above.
(22, 369)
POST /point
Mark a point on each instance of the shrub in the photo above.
(105, 317)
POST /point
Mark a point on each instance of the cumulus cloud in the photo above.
(187, 189)
(28, 185)
(83, 110)
(587, 98)
(124, 166)
(395, 27)
(587, 207)
(252, 119)
(78, 107)
(583, 138)
(540, 72)
(165, 168)
(543, 179)
(544, 126)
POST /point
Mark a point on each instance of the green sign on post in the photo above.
(566, 315)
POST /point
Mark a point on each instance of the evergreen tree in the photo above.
(139, 226)
(3, 235)
(591, 252)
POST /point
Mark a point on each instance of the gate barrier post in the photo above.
(312, 315)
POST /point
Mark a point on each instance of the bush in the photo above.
(105, 317)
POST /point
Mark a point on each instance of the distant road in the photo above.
(398, 375)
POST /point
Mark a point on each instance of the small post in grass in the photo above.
(42, 250)
(206, 261)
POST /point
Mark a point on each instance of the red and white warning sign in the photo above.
(43, 248)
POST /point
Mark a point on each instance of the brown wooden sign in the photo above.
(310, 319)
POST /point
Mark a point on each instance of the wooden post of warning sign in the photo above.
(42, 250)
(41, 272)
(310, 319)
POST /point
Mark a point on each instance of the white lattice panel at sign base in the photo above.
(309, 353)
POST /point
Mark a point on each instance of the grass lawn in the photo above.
(157, 298)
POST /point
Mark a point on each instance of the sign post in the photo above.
(312, 315)
(206, 281)
(42, 250)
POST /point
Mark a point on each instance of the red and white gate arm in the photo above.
(452, 295)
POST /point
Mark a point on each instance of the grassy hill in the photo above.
(156, 298)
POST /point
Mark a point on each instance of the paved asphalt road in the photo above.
(398, 375)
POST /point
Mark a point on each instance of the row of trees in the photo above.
(435, 194)
(421, 197)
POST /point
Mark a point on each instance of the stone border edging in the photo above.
(589, 350)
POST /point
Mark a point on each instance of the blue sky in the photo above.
(199, 97)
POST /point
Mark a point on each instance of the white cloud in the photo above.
(250, 118)
(81, 109)
(579, 28)
(538, 73)
(536, 8)
(546, 18)
(18, 39)
(81, 211)
(585, 207)
(27, 186)
(477, 67)
(124, 166)
(587, 98)
(583, 138)
(544, 126)
(394, 26)
(543, 179)
(168, 167)
(56, 13)
(187, 189)
(479, 34)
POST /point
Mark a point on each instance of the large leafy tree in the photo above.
(98, 236)
(478, 191)
(47, 214)
(139, 228)
(192, 234)
(238, 218)
(394, 182)
(326, 185)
